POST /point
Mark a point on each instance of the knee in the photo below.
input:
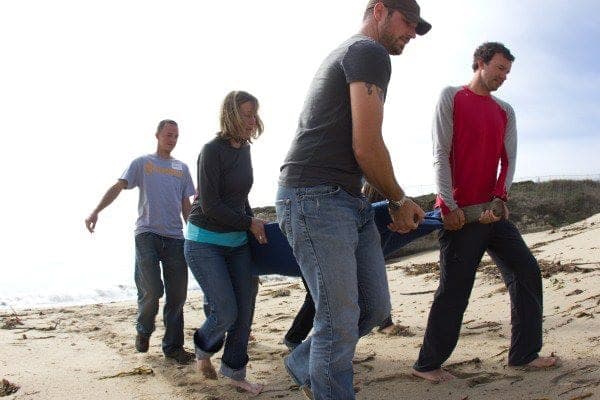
(447, 300)
(176, 299)
(152, 292)
(224, 316)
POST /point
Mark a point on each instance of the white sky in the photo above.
(84, 83)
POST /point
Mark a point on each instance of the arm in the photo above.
(209, 175)
(509, 155)
(249, 209)
(110, 196)
(367, 142)
(257, 227)
(507, 165)
(186, 207)
(442, 134)
(188, 191)
(366, 102)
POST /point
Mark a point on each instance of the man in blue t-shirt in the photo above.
(165, 189)
(320, 208)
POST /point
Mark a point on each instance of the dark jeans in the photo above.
(303, 322)
(229, 288)
(151, 250)
(460, 254)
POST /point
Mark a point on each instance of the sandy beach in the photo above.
(87, 352)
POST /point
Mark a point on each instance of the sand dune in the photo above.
(87, 352)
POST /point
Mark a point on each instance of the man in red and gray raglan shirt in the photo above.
(473, 134)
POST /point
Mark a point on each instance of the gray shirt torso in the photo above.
(163, 183)
(225, 178)
(321, 152)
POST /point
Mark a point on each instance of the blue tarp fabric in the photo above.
(276, 257)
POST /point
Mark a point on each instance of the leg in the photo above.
(207, 263)
(522, 276)
(321, 225)
(460, 254)
(235, 353)
(303, 322)
(388, 327)
(148, 282)
(255, 285)
(373, 291)
(176, 280)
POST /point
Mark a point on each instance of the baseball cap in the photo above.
(411, 11)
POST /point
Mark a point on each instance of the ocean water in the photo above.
(94, 271)
(70, 266)
(49, 259)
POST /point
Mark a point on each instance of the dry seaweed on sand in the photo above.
(8, 388)
(277, 293)
(136, 371)
(420, 269)
(11, 322)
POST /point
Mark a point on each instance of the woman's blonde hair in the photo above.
(231, 122)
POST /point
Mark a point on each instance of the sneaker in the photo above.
(142, 343)
(181, 356)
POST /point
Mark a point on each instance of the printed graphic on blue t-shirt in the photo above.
(163, 184)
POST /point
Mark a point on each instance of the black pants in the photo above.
(303, 322)
(460, 254)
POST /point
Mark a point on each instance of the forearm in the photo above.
(377, 168)
(227, 217)
(443, 181)
(110, 196)
(214, 206)
(249, 211)
(186, 207)
(369, 148)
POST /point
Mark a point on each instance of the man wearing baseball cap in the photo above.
(320, 208)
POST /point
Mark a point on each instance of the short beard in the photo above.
(388, 41)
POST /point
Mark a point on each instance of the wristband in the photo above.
(396, 204)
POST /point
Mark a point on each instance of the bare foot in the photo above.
(252, 388)
(543, 362)
(390, 330)
(436, 376)
(396, 330)
(207, 369)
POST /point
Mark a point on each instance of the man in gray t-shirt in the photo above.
(320, 209)
(165, 188)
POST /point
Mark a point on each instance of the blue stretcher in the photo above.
(276, 257)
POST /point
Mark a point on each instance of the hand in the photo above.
(258, 230)
(454, 220)
(505, 211)
(488, 216)
(406, 218)
(90, 222)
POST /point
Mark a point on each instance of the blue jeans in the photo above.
(151, 250)
(335, 240)
(226, 279)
